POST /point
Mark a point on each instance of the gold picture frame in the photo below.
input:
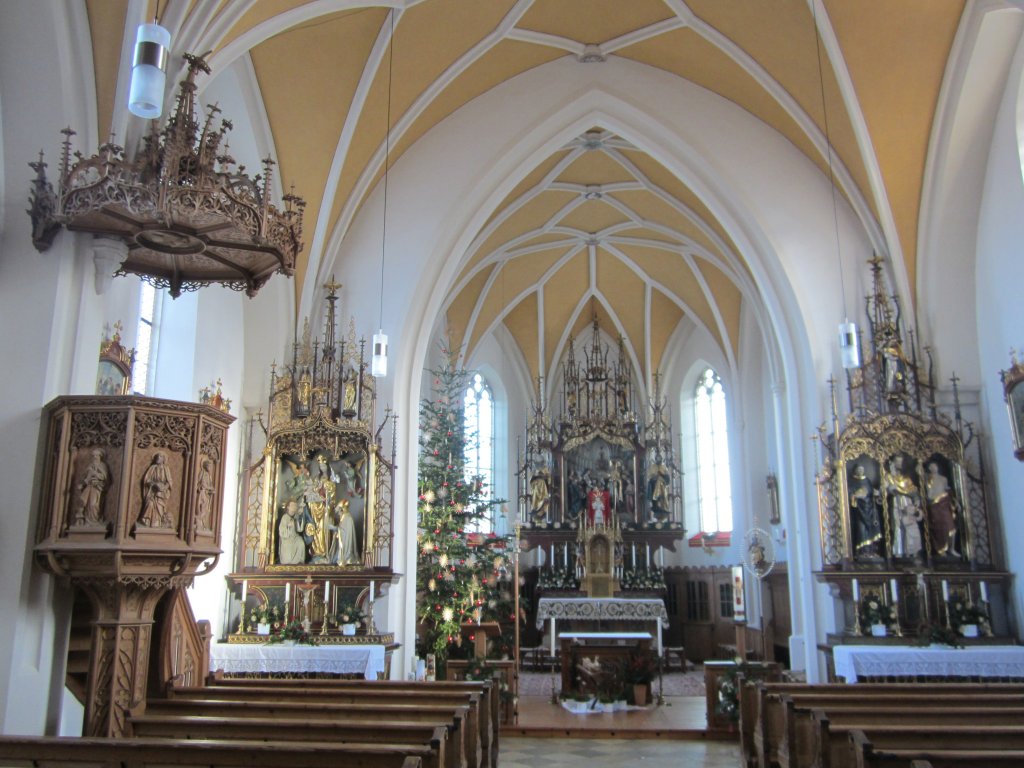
(114, 371)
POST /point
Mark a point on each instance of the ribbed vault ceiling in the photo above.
(599, 224)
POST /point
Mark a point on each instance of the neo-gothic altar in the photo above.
(600, 496)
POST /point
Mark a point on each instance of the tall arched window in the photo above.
(145, 339)
(713, 483)
(479, 427)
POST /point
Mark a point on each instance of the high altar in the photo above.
(316, 534)
(599, 489)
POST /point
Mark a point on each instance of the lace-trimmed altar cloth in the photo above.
(367, 660)
(601, 608)
(861, 661)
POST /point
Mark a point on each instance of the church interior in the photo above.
(719, 299)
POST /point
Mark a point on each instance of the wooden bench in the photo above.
(462, 742)
(32, 752)
(487, 714)
(254, 729)
(867, 754)
(762, 712)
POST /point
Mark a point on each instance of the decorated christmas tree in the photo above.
(462, 573)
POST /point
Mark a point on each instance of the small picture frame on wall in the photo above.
(1013, 392)
(114, 372)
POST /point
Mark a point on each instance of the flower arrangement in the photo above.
(936, 634)
(652, 578)
(348, 612)
(265, 613)
(291, 629)
(873, 611)
(640, 668)
(962, 613)
(557, 578)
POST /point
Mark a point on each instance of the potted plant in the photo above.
(639, 672)
(349, 616)
(966, 618)
(876, 615)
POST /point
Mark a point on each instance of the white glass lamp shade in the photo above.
(379, 362)
(849, 346)
(146, 92)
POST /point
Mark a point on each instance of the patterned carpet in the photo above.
(676, 683)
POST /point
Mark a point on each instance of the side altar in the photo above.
(315, 536)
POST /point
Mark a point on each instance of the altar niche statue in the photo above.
(864, 515)
(156, 491)
(576, 495)
(905, 511)
(894, 367)
(657, 489)
(291, 546)
(617, 479)
(91, 487)
(344, 550)
(942, 512)
(540, 494)
(320, 501)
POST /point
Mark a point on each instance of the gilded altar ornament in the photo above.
(213, 396)
(114, 371)
(187, 214)
(1013, 393)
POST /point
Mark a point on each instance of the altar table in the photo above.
(598, 609)
(1002, 661)
(616, 646)
(234, 658)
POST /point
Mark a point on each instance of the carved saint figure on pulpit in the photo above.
(204, 496)
(91, 487)
(156, 492)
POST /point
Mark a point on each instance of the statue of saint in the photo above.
(942, 509)
(540, 494)
(905, 510)
(291, 545)
(864, 515)
(658, 488)
(156, 491)
(319, 503)
(894, 368)
(204, 496)
(617, 479)
(91, 489)
(343, 547)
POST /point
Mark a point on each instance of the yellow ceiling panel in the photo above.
(593, 216)
(533, 215)
(665, 316)
(460, 310)
(647, 233)
(544, 237)
(521, 322)
(592, 21)
(572, 282)
(282, 64)
(728, 299)
(532, 179)
(653, 209)
(594, 168)
(687, 55)
(672, 273)
(264, 11)
(106, 25)
(624, 291)
(897, 61)
(523, 271)
(490, 306)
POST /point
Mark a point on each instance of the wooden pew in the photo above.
(821, 738)
(762, 712)
(253, 729)
(867, 754)
(462, 744)
(52, 752)
(490, 713)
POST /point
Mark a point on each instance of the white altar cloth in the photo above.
(853, 661)
(598, 609)
(334, 659)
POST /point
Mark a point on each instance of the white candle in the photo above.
(984, 591)
(648, 556)
(371, 591)
(565, 556)
(945, 590)
(552, 554)
(634, 556)
(895, 593)
(287, 595)
(661, 556)
(245, 588)
(856, 591)
(327, 590)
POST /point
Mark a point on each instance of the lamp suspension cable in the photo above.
(849, 344)
(149, 68)
(379, 362)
